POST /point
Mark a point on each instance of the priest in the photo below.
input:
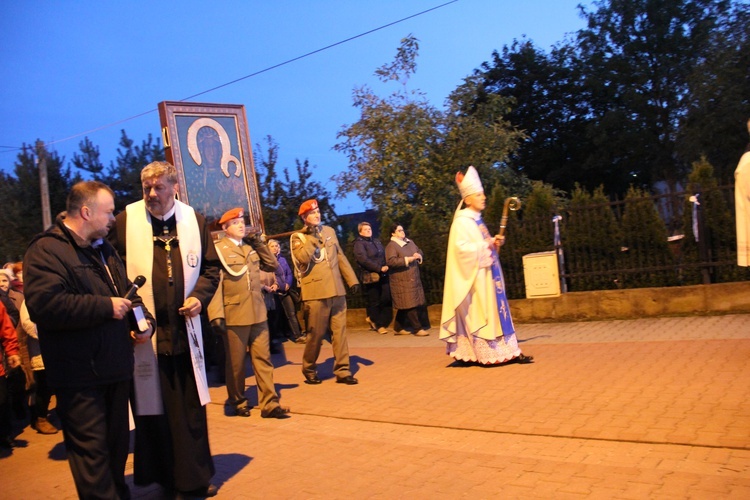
(476, 324)
(169, 243)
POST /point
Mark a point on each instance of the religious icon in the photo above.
(209, 145)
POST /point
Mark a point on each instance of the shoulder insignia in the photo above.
(296, 240)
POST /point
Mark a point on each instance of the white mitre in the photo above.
(469, 183)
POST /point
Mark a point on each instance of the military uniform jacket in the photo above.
(239, 298)
(322, 268)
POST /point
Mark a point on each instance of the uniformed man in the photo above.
(238, 313)
(323, 271)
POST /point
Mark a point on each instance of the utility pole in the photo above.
(41, 156)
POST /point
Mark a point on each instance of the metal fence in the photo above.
(663, 240)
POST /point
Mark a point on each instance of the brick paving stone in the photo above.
(739, 492)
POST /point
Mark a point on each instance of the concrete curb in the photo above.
(598, 305)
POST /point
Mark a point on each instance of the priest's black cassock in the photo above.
(173, 449)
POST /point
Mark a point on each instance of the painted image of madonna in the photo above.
(213, 172)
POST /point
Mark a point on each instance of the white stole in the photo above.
(139, 249)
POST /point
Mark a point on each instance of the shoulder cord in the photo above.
(236, 274)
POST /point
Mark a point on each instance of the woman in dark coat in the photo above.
(372, 272)
(403, 258)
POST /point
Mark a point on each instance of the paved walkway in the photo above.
(651, 408)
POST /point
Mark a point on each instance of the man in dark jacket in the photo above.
(75, 283)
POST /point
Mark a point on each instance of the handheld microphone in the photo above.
(140, 318)
(138, 282)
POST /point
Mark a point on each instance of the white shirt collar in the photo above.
(165, 216)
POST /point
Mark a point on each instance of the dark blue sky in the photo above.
(75, 68)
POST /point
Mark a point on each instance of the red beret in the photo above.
(234, 213)
(307, 206)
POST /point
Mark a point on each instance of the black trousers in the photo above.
(96, 436)
(42, 395)
(424, 317)
(290, 312)
(414, 319)
(5, 419)
(407, 319)
(378, 303)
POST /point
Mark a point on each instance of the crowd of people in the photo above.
(25, 394)
(153, 282)
(109, 310)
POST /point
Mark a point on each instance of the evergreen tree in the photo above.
(508, 183)
(88, 159)
(647, 260)
(124, 174)
(528, 231)
(432, 238)
(13, 220)
(634, 98)
(281, 198)
(386, 222)
(718, 228)
(719, 104)
(22, 214)
(591, 240)
(547, 106)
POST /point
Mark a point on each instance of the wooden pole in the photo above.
(44, 185)
(282, 235)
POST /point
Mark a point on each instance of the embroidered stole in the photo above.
(140, 259)
(503, 307)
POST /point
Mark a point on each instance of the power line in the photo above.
(288, 61)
